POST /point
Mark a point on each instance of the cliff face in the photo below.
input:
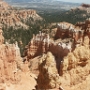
(63, 30)
(14, 74)
(67, 38)
(16, 18)
(75, 69)
(39, 44)
(8, 56)
(68, 65)
(76, 32)
(48, 77)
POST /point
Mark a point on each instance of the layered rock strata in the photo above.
(39, 44)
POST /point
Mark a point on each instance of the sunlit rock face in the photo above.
(14, 74)
(9, 56)
(75, 68)
(66, 30)
(39, 44)
(48, 77)
(4, 5)
(73, 71)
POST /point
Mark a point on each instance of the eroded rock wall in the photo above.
(73, 74)
(75, 69)
(14, 74)
(72, 65)
(38, 45)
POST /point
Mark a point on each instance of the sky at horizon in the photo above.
(77, 1)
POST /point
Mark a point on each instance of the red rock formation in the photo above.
(77, 32)
(68, 35)
(64, 30)
(74, 70)
(14, 74)
(72, 58)
(9, 54)
(39, 44)
(85, 5)
(67, 30)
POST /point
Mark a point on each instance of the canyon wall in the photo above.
(65, 63)
(14, 73)
(9, 54)
(38, 45)
(11, 17)
(73, 70)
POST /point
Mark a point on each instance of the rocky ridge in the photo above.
(72, 57)
(73, 74)
(10, 17)
(73, 70)
(84, 9)
(74, 15)
(39, 44)
(14, 74)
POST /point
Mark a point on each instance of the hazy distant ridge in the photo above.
(38, 1)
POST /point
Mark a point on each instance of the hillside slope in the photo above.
(80, 13)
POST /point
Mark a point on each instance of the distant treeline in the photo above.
(62, 15)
